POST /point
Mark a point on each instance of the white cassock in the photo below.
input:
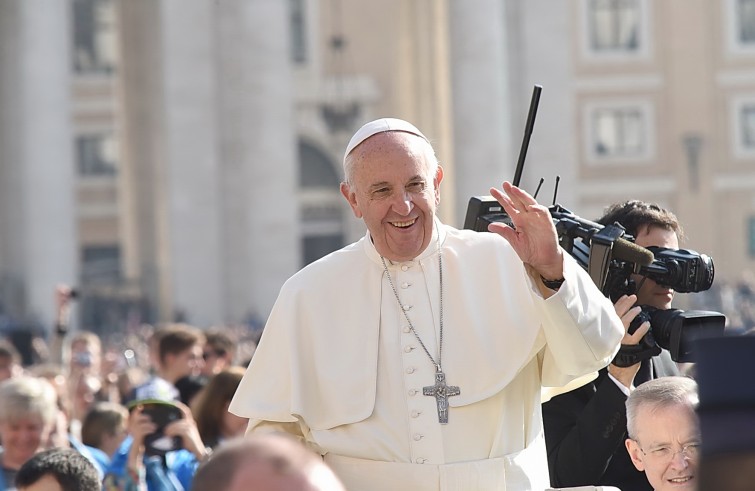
(338, 365)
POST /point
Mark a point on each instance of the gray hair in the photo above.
(660, 393)
(349, 160)
(27, 396)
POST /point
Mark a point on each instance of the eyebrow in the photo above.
(686, 441)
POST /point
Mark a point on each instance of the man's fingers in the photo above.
(503, 230)
(639, 333)
(630, 314)
(519, 196)
(505, 201)
(624, 304)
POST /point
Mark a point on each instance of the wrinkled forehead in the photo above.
(390, 144)
(391, 155)
(26, 417)
(676, 418)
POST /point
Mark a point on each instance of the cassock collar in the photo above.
(430, 250)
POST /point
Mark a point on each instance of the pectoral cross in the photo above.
(442, 392)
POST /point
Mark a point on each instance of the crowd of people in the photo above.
(143, 415)
(416, 359)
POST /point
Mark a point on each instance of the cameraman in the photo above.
(585, 429)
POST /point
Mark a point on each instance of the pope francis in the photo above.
(414, 358)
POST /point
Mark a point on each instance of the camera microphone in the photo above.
(622, 249)
(629, 251)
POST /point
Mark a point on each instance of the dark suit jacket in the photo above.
(585, 431)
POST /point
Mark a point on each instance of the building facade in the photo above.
(181, 159)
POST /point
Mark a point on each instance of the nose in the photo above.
(402, 203)
(680, 459)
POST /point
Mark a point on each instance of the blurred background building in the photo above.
(179, 159)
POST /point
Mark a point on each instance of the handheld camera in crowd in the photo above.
(611, 257)
(162, 413)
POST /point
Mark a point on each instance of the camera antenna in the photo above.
(555, 189)
(527, 133)
(542, 180)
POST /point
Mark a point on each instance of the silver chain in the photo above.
(411, 326)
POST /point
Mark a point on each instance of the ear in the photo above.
(351, 198)
(436, 184)
(635, 454)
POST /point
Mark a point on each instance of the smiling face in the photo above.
(662, 434)
(22, 437)
(394, 190)
(650, 292)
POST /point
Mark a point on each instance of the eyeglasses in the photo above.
(665, 455)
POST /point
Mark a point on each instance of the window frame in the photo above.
(644, 35)
(101, 40)
(740, 149)
(106, 168)
(734, 45)
(645, 109)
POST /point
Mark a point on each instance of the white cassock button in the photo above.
(420, 460)
(404, 267)
(415, 414)
(408, 349)
(407, 329)
(410, 370)
(412, 392)
(405, 285)
(417, 437)
(407, 308)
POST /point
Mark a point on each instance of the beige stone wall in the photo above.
(209, 100)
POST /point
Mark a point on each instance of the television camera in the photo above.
(611, 258)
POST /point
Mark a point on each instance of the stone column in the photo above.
(192, 159)
(541, 53)
(37, 171)
(261, 243)
(483, 153)
(171, 160)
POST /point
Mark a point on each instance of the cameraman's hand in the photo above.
(187, 429)
(627, 311)
(534, 238)
(139, 426)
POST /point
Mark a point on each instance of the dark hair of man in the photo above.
(69, 468)
(105, 418)
(221, 342)
(177, 338)
(635, 216)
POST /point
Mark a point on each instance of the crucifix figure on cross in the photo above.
(442, 392)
